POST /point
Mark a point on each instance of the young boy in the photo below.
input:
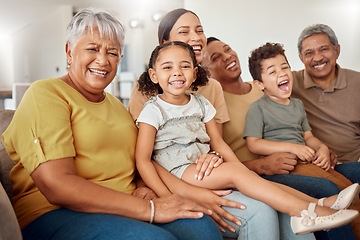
(276, 122)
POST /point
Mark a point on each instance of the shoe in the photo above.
(309, 221)
(345, 199)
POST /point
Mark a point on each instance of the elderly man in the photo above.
(331, 97)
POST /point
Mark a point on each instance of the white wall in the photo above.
(142, 41)
(39, 48)
(245, 25)
(6, 62)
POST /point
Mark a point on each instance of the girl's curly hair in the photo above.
(147, 87)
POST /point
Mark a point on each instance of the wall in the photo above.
(38, 48)
(142, 41)
(6, 62)
(245, 25)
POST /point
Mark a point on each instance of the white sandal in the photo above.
(309, 221)
(345, 199)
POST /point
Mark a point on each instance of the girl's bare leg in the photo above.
(236, 175)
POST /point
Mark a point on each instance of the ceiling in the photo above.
(16, 14)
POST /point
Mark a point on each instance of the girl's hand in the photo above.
(322, 158)
(205, 164)
(303, 152)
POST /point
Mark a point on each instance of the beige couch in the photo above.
(9, 227)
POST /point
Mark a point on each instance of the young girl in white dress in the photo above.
(178, 131)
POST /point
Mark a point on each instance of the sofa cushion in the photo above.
(9, 227)
(6, 164)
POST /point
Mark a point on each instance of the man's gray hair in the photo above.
(317, 29)
(90, 18)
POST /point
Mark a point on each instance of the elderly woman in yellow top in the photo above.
(73, 145)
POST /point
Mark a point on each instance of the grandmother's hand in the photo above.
(204, 197)
(212, 200)
(174, 207)
(144, 193)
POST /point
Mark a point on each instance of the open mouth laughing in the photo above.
(231, 66)
(98, 72)
(197, 49)
(284, 85)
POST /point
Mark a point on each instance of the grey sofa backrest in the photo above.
(6, 164)
(9, 227)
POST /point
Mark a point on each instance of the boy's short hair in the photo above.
(266, 51)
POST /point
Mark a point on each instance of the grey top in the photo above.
(267, 119)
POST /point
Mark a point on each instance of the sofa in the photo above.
(9, 227)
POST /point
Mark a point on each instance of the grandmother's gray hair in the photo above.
(89, 18)
(317, 29)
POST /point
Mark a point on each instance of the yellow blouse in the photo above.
(55, 121)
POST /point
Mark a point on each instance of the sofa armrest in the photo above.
(6, 164)
(9, 226)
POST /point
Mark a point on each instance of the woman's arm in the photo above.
(143, 152)
(58, 182)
